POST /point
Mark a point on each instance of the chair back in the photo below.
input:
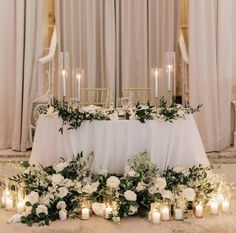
(141, 95)
(95, 96)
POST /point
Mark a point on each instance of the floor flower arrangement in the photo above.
(70, 189)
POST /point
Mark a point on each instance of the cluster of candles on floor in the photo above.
(162, 211)
(159, 211)
(13, 202)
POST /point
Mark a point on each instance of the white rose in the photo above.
(166, 194)
(103, 171)
(133, 210)
(113, 182)
(181, 113)
(152, 190)
(179, 169)
(42, 209)
(60, 166)
(51, 112)
(63, 214)
(57, 179)
(189, 194)
(47, 199)
(61, 205)
(78, 185)
(62, 192)
(28, 210)
(68, 183)
(160, 183)
(130, 172)
(33, 198)
(95, 186)
(130, 195)
(98, 208)
(140, 187)
(15, 218)
(113, 116)
(132, 116)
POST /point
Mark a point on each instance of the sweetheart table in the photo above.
(114, 142)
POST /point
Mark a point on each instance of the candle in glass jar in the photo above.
(108, 211)
(165, 213)
(20, 206)
(225, 206)
(156, 216)
(214, 207)
(199, 210)
(8, 204)
(85, 213)
(178, 214)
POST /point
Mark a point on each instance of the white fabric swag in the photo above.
(117, 42)
(21, 36)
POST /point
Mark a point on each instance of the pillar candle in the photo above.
(214, 207)
(64, 82)
(156, 216)
(78, 91)
(156, 84)
(165, 214)
(199, 210)
(85, 214)
(20, 206)
(9, 204)
(225, 206)
(169, 67)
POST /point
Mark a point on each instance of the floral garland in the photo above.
(60, 191)
(75, 116)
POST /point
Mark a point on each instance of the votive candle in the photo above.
(156, 216)
(9, 204)
(199, 210)
(165, 213)
(225, 206)
(20, 206)
(214, 207)
(85, 213)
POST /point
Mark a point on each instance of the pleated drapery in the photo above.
(211, 48)
(117, 42)
(21, 36)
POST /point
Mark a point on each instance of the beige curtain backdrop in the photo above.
(117, 41)
(21, 44)
(210, 52)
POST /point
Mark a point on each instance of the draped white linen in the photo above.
(21, 36)
(117, 41)
(114, 142)
(210, 51)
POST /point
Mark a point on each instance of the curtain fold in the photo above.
(116, 42)
(21, 45)
(210, 69)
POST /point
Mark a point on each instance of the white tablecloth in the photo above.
(114, 142)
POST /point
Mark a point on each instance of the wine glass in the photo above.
(125, 102)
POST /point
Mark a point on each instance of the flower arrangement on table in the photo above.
(74, 117)
(70, 189)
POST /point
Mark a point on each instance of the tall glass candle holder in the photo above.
(170, 71)
(156, 74)
(64, 62)
(78, 76)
